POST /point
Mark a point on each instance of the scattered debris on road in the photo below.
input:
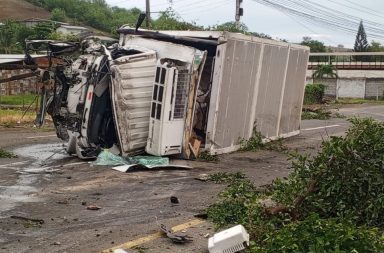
(203, 177)
(174, 200)
(62, 202)
(176, 238)
(93, 207)
(202, 216)
(29, 222)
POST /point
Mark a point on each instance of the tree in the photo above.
(376, 47)
(7, 38)
(261, 35)
(58, 14)
(324, 71)
(42, 31)
(315, 45)
(231, 27)
(13, 36)
(361, 42)
(169, 20)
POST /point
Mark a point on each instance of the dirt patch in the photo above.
(20, 10)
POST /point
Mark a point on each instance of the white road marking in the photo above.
(70, 164)
(42, 136)
(316, 128)
(9, 164)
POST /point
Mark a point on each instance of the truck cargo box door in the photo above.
(131, 86)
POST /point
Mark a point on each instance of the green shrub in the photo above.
(225, 177)
(6, 154)
(332, 202)
(322, 235)
(347, 174)
(206, 156)
(314, 93)
(252, 144)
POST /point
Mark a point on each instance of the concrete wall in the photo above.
(330, 85)
(350, 88)
(374, 88)
(23, 86)
(353, 84)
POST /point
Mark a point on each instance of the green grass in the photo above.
(10, 117)
(320, 114)
(346, 101)
(6, 154)
(26, 99)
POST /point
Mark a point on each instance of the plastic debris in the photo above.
(150, 161)
(107, 158)
(231, 240)
(119, 251)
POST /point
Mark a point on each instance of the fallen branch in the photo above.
(293, 211)
(40, 221)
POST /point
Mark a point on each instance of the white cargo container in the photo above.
(237, 85)
(176, 92)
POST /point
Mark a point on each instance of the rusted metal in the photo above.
(17, 66)
(19, 77)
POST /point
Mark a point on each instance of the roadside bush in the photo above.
(314, 93)
(345, 179)
(332, 202)
(322, 235)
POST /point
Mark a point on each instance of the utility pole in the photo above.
(239, 12)
(148, 13)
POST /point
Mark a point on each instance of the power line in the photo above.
(362, 6)
(324, 16)
(357, 9)
(309, 29)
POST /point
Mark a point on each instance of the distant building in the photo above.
(70, 29)
(339, 49)
(31, 22)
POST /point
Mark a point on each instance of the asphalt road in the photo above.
(44, 183)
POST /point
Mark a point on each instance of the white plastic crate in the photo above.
(231, 240)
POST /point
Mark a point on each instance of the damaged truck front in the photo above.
(104, 99)
(174, 92)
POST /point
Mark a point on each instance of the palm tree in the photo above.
(324, 71)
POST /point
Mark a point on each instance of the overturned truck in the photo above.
(174, 92)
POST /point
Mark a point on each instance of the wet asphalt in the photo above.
(44, 183)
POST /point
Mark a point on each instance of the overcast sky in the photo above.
(264, 19)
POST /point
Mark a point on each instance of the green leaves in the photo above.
(331, 202)
(252, 144)
(324, 71)
(318, 235)
(314, 93)
(58, 14)
(349, 185)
